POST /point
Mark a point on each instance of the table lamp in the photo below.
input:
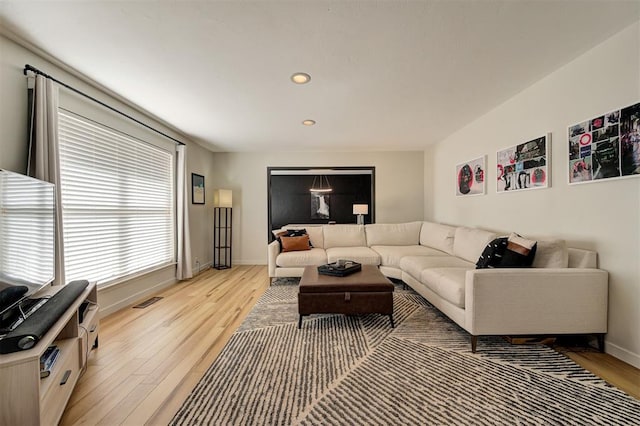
(360, 210)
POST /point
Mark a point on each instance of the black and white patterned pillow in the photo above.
(508, 252)
(519, 252)
(491, 256)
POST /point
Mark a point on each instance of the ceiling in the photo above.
(391, 75)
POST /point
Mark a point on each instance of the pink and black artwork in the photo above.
(524, 166)
(606, 146)
(470, 177)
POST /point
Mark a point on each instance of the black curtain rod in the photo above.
(35, 70)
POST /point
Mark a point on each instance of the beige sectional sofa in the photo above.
(562, 293)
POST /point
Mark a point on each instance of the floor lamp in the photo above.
(222, 228)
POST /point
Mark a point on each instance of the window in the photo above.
(27, 231)
(117, 202)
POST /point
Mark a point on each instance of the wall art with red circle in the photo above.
(470, 177)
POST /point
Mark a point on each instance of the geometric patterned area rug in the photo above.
(357, 370)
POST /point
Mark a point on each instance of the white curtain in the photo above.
(183, 270)
(44, 153)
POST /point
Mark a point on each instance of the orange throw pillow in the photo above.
(295, 243)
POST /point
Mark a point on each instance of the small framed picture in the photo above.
(470, 177)
(197, 189)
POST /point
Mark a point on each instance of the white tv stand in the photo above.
(25, 398)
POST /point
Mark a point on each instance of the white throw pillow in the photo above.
(551, 254)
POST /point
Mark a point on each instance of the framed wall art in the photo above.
(525, 166)
(197, 189)
(606, 146)
(470, 177)
(320, 205)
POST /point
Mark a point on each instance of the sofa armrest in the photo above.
(273, 250)
(536, 301)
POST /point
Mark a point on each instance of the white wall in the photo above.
(200, 161)
(399, 189)
(603, 216)
(13, 156)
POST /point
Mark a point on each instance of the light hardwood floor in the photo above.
(150, 359)
(614, 371)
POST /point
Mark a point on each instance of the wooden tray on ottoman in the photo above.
(363, 292)
(335, 270)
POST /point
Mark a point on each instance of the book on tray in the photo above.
(340, 268)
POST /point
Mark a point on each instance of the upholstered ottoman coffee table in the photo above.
(363, 292)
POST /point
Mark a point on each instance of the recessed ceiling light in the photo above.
(309, 122)
(301, 78)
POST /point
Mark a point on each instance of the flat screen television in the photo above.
(27, 234)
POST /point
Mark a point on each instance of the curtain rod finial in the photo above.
(28, 68)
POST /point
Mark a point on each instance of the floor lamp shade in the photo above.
(222, 198)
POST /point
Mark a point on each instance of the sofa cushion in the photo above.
(470, 242)
(492, 253)
(315, 233)
(393, 234)
(344, 236)
(414, 265)
(363, 255)
(519, 252)
(315, 256)
(437, 236)
(508, 252)
(281, 233)
(448, 283)
(551, 254)
(296, 243)
(391, 255)
(579, 258)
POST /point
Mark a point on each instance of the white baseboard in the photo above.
(249, 262)
(622, 354)
(203, 268)
(123, 303)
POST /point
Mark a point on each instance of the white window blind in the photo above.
(117, 202)
(27, 227)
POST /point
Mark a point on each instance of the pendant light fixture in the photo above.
(320, 184)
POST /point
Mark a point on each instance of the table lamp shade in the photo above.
(360, 209)
(222, 198)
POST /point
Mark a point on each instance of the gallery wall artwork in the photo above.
(470, 177)
(524, 166)
(606, 146)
